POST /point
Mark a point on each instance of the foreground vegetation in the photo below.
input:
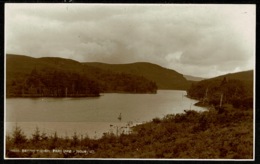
(196, 135)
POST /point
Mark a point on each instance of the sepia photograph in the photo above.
(129, 81)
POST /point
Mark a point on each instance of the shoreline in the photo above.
(76, 96)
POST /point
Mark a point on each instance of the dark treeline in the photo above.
(191, 135)
(59, 83)
(52, 83)
(232, 91)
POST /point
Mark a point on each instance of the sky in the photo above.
(198, 40)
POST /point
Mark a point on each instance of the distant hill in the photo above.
(18, 65)
(57, 77)
(193, 78)
(163, 77)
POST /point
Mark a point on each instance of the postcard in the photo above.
(129, 81)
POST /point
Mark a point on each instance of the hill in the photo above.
(163, 77)
(57, 77)
(247, 77)
(244, 75)
(19, 66)
(234, 88)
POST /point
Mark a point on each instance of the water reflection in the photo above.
(93, 116)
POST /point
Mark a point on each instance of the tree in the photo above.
(54, 140)
(36, 136)
(18, 136)
(75, 140)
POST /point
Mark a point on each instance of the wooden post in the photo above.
(221, 99)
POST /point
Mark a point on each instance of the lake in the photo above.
(93, 116)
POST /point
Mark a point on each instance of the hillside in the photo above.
(163, 77)
(234, 88)
(247, 77)
(57, 77)
(108, 76)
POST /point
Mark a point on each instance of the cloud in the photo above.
(199, 40)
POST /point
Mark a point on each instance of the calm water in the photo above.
(92, 116)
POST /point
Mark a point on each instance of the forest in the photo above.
(229, 91)
(58, 83)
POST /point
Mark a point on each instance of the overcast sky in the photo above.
(197, 40)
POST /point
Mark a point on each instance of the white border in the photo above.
(141, 159)
(4, 153)
(254, 91)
